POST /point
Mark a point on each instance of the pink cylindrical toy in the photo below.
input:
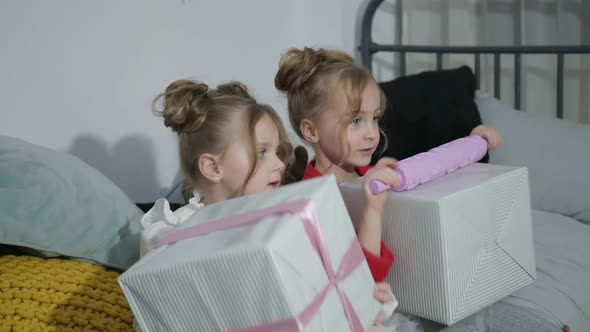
(427, 166)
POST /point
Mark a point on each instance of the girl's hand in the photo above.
(491, 135)
(383, 293)
(383, 171)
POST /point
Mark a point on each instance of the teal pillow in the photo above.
(56, 204)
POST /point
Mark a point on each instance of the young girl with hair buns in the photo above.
(335, 106)
(229, 146)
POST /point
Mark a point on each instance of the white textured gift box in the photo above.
(258, 274)
(462, 241)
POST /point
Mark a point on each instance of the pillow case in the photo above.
(556, 152)
(55, 203)
(427, 110)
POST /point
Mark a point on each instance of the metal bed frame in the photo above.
(368, 47)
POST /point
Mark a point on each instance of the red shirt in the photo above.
(379, 265)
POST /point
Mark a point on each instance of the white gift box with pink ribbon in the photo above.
(462, 241)
(285, 260)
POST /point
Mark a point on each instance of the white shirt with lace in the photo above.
(160, 221)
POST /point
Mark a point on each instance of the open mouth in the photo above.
(367, 150)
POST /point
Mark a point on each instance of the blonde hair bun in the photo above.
(234, 88)
(297, 66)
(184, 105)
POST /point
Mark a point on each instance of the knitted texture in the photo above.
(38, 294)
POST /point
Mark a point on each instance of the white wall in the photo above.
(80, 76)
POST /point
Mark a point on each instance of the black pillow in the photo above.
(427, 110)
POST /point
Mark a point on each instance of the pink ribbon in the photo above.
(307, 213)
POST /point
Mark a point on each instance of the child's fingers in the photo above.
(384, 296)
(491, 135)
(497, 139)
(491, 141)
(386, 162)
(382, 286)
(382, 292)
(479, 130)
(380, 317)
(392, 178)
(386, 175)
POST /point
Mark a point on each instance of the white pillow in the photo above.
(556, 152)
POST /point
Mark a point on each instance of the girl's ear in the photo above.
(309, 131)
(210, 167)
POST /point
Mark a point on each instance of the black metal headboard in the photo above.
(368, 47)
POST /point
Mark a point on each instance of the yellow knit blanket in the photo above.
(39, 294)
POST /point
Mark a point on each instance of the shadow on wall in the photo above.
(130, 164)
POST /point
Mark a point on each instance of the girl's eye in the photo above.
(356, 121)
(377, 118)
(261, 152)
